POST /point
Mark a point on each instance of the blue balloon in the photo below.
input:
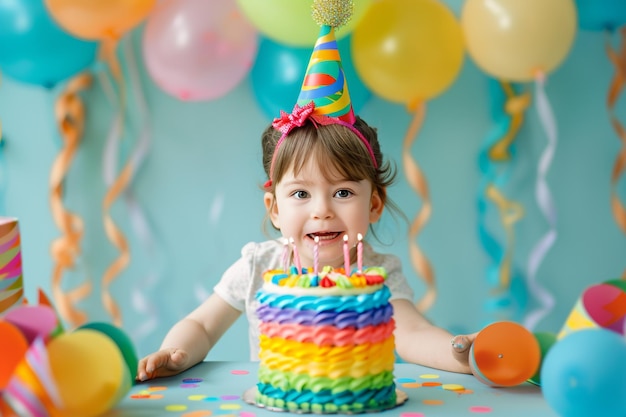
(599, 15)
(584, 374)
(35, 50)
(278, 72)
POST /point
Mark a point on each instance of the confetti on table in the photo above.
(239, 372)
(198, 413)
(403, 380)
(230, 406)
(210, 399)
(175, 407)
(411, 385)
(229, 397)
(432, 402)
(453, 387)
(412, 415)
(192, 380)
(480, 409)
(196, 397)
(157, 388)
(246, 414)
(189, 385)
(429, 376)
(431, 384)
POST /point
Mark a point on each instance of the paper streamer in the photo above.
(506, 301)
(141, 303)
(417, 181)
(547, 207)
(618, 59)
(117, 184)
(70, 116)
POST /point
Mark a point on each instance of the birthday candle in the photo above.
(296, 257)
(359, 253)
(346, 255)
(316, 254)
(285, 257)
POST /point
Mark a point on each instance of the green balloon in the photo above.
(123, 342)
(545, 340)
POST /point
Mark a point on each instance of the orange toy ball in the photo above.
(504, 354)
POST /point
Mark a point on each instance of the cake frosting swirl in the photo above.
(326, 343)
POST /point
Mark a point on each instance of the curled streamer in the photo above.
(117, 186)
(70, 115)
(618, 59)
(547, 207)
(417, 181)
(508, 109)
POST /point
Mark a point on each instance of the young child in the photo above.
(326, 178)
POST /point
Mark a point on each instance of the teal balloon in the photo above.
(584, 374)
(278, 72)
(123, 342)
(35, 50)
(600, 15)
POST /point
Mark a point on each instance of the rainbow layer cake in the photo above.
(326, 343)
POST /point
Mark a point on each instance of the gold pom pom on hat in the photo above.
(334, 13)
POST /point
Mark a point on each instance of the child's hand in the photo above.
(461, 347)
(165, 362)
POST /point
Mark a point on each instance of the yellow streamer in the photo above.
(510, 211)
(70, 115)
(618, 58)
(115, 235)
(417, 181)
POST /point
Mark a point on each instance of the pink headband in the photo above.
(298, 118)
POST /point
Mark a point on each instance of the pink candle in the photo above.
(285, 257)
(359, 253)
(346, 255)
(296, 258)
(316, 255)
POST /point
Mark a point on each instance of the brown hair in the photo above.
(336, 148)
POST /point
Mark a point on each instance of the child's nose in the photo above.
(321, 209)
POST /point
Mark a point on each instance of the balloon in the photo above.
(583, 374)
(517, 40)
(278, 72)
(35, 50)
(198, 49)
(601, 14)
(122, 341)
(89, 372)
(290, 22)
(408, 50)
(14, 347)
(102, 19)
(546, 340)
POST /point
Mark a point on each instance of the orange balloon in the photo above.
(99, 19)
(408, 51)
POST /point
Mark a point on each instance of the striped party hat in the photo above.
(325, 82)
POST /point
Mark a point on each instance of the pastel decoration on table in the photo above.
(600, 306)
(14, 347)
(546, 340)
(34, 321)
(11, 277)
(289, 23)
(89, 372)
(34, 49)
(584, 374)
(426, 58)
(123, 342)
(504, 354)
(211, 42)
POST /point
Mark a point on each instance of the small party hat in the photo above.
(325, 82)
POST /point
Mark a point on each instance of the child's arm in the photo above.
(190, 340)
(419, 341)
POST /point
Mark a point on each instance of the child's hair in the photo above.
(336, 148)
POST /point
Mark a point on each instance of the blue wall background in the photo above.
(198, 187)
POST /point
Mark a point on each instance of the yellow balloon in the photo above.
(89, 372)
(99, 19)
(408, 51)
(515, 40)
(289, 22)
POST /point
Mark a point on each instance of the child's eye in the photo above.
(343, 193)
(300, 194)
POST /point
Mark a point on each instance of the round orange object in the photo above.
(504, 354)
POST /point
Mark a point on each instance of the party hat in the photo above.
(325, 82)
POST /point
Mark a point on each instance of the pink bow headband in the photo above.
(297, 118)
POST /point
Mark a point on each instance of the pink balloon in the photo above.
(198, 49)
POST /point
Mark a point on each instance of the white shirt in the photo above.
(240, 282)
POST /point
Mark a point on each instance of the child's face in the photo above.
(308, 205)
